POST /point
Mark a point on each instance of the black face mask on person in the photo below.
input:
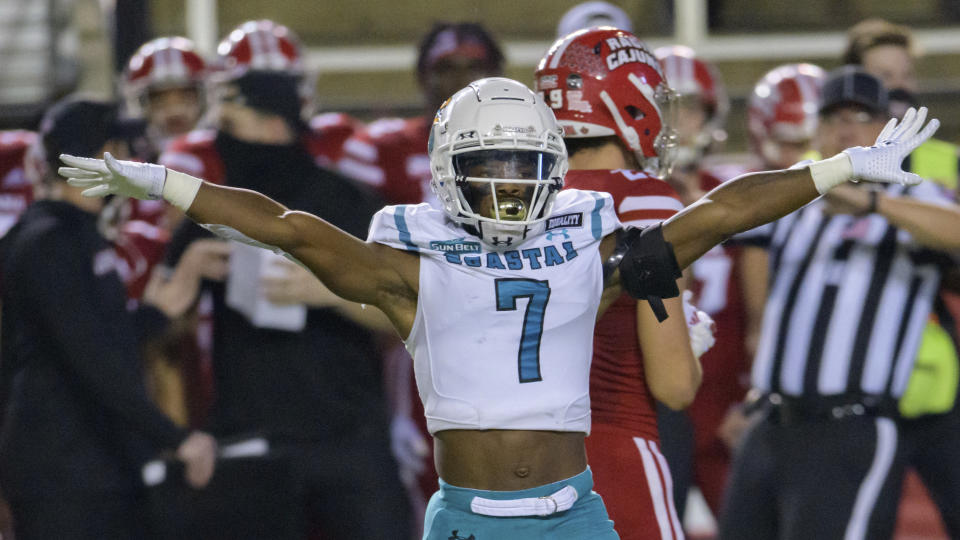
(272, 169)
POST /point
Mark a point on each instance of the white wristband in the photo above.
(180, 189)
(832, 172)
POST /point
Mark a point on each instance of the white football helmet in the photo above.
(497, 160)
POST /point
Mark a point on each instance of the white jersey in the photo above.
(503, 339)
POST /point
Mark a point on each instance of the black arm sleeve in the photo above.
(86, 319)
(648, 267)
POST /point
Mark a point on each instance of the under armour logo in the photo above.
(455, 536)
(497, 242)
(551, 234)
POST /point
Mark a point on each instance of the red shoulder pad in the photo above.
(196, 154)
(641, 200)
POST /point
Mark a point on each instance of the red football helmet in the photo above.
(162, 63)
(259, 45)
(783, 108)
(603, 81)
(689, 75)
(263, 46)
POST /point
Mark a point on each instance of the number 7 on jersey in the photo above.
(537, 294)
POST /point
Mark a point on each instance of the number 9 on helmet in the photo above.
(602, 82)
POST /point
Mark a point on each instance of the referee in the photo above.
(853, 278)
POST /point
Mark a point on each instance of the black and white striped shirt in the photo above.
(848, 300)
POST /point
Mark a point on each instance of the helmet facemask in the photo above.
(664, 102)
(505, 187)
(497, 165)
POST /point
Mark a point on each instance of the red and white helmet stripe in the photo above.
(260, 45)
(166, 61)
(783, 106)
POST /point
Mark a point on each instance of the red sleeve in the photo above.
(141, 245)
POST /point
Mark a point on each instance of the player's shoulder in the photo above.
(394, 129)
(14, 148)
(16, 140)
(334, 123)
(327, 134)
(382, 146)
(394, 132)
(616, 181)
(194, 153)
(412, 227)
(198, 140)
(593, 210)
(571, 198)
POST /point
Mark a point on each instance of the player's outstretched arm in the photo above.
(754, 199)
(351, 268)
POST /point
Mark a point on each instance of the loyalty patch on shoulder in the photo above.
(565, 221)
(457, 245)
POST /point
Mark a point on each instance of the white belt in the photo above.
(559, 501)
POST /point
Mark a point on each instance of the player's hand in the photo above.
(288, 283)
(409, 446)
(848, 200)
(199, 453)
(882, 161)
(700, 326)
(735, 425)
(205, 258)
(174, 294)
(102, 177)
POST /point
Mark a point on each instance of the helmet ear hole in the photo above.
(635, 112)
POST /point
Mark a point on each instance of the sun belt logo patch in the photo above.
(565, 221)
(457, 245)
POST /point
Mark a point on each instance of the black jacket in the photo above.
(77, 417)
(301, 386)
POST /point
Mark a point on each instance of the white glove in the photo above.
(880, 162)
(104, 176)
(699, 325)
(101, 177)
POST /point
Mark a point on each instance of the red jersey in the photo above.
(16, 191)
(330, 131)
(619, 394)
(717, 290)
(141, 246)
(390, 155)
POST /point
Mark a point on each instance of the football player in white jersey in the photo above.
(496, 293)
